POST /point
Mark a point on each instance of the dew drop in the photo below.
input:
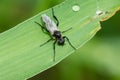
(76, 8)
(99, 12)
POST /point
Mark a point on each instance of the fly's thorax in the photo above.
(57, 34)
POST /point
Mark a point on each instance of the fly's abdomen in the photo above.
(50, 25)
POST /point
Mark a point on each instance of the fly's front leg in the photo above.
(69, 42)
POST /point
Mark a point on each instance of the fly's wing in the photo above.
(50, 25)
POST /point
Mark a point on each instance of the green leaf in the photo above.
(21, 56)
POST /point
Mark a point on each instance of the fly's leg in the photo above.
(66, 30)
(46, 42)
(54, 50)
(69, 42)
(55, 17)
(42, 27)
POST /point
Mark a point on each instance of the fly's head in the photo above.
(58, 36)
(61, 41)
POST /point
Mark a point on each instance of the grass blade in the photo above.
(20, 53)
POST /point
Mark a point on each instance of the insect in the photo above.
(51, 28)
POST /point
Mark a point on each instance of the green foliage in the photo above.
(20, 53)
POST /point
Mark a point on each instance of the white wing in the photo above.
(50, 24)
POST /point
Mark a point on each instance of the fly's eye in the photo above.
(61, 41)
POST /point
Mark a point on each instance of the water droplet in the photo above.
(99, 12)
(76, 8)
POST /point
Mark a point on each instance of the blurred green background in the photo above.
(99, 59)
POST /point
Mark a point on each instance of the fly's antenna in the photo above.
(69, 42)
(55, 17)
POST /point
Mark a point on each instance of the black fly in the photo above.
(53, 30)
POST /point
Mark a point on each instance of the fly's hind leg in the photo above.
(42, 27)
(55, 17)
(45, 31)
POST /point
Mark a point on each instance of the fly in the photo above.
(52, 28)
